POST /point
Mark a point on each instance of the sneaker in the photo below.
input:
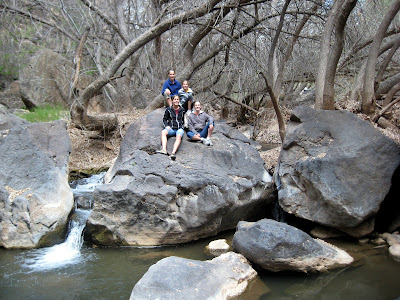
(162, 151)
(205, 142)
(173, 157)
(210, 143)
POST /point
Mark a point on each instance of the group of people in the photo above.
(179, 114)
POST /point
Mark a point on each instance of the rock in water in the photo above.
(174, 278)
(277, 246)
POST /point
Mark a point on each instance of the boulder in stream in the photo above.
(223, 277)
(277, 246)
(35, 198)
(149, 199)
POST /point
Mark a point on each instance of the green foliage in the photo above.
(45, 113)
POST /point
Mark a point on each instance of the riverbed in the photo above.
(78, 270)
(111, 273)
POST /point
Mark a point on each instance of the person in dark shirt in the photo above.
(173, 126)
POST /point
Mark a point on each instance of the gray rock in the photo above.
(8, 121)
(151, 200)
(334, 168)
(11, 98)
(35, 198)
(218, 247)
(224, 277)
(394, 251)
(277, 246)
(47, 79)
(392, 238)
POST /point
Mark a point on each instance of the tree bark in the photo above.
(368, 94)
(390, 95)
(78, 60)
(385, 109)
(385, 63)
(279, 116)
(325, 83)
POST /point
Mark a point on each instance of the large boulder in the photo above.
(10, 97)
(47, 80)
(224, 277)
(35, 198)
(277, 246)
(151, 200)
(335, 169)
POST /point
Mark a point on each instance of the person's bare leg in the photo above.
(164, 139)
(176, 144)
(196, 138)
(210, 131)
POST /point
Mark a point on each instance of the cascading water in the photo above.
(68, 252)
(62, 254)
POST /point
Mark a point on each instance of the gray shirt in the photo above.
(198, 122)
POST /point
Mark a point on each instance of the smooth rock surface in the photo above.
(334, 169)
(277, 246)
(172, 278)
(35, 198)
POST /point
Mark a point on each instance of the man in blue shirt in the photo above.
(170, 88)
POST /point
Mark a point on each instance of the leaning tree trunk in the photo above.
(279, 116)
(79, 107)
(78, 60)
(368, 94)
(325, 83)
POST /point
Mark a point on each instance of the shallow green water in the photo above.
(111, 273)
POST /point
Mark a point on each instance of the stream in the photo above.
(78, 270)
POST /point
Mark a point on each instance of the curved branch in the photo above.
(385, 109)
(78, 110)
(368, 95)
(385, 63)
(38, 19)
(236, 102)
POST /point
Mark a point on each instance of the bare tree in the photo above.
(368, 94)
(329, 56)
(79, 108)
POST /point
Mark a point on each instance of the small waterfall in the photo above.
(68, 252)
(63, 254)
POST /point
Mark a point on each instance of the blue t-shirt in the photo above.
(173, 87)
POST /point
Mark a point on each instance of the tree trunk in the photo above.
(368, 94)
(390, 95)
(78, 60)
(325, 83)
(385, 63)
(279, 116)
(385, 109)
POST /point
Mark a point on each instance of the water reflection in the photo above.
(111, 273)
